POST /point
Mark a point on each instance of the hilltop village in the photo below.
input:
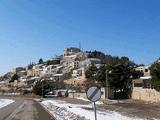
(69, 68)
(70, 72)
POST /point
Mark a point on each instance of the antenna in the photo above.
(80, 47)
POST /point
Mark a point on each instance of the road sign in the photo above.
(94, 94)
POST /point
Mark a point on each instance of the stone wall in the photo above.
(83, 95)
(148, 95)
(77, 95)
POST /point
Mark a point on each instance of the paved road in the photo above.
(24, 109)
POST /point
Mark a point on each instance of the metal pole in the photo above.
(95, 111)
(42, 88)
(106, 88)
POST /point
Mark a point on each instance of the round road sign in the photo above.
(93, 94)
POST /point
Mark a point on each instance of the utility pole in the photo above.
(80, 46)
(107, 85)
(42, 88)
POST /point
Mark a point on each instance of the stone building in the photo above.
(145, 70)
(73, 61)
(18, 69)
(90, 61)
(144, 80)
(70, 51)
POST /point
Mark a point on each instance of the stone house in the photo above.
(70, 51)
(76, 73)
(73, 61)
(89, 62)
(37, 69)
(144, 69)
(18, 69)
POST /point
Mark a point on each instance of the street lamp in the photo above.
(42, 87)
(106, 88)
(107, 85)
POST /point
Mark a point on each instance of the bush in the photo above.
(45, 85)
(59, 94)
(155, 73)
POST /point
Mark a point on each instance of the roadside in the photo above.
(124, 109)
(139, 109)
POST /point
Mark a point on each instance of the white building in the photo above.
(146, 72)
(77, 73)
(90, 61)
(18, 69)
(73, 61)
(70, 51)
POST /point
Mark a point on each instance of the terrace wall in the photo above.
(148, 95)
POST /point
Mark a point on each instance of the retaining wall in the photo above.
(148, 95)
(83, 95)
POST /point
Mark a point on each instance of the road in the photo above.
(24, 109)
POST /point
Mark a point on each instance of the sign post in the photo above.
(94, 94)
(95, 110)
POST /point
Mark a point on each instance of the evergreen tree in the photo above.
(14, 77)
(91, 72)
(155, 73)
(40, 61)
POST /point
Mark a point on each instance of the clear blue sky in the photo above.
(33, 29)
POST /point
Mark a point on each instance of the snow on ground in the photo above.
(84, 99)
(100, 102)
(5, 102)
(80, 98)
(66, 111)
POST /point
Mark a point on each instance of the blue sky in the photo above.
(33, 29)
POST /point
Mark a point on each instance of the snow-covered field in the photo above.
(66, 111)
(5, 102)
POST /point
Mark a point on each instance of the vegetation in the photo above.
(97, 54)
(91, 73)
(155, 73)
(45, 85)
(52, 62)
(40, 61)
(30, 66)
(101, 75)
(14, 77)
(120, 72)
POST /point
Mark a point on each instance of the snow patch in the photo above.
(84, 99)
(5, 102)
(67, 111)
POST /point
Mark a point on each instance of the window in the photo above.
(146, 70)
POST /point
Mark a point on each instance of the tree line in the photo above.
(119, 70)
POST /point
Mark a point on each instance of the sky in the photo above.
(34, 29)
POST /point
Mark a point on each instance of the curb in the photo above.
(46, 110)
